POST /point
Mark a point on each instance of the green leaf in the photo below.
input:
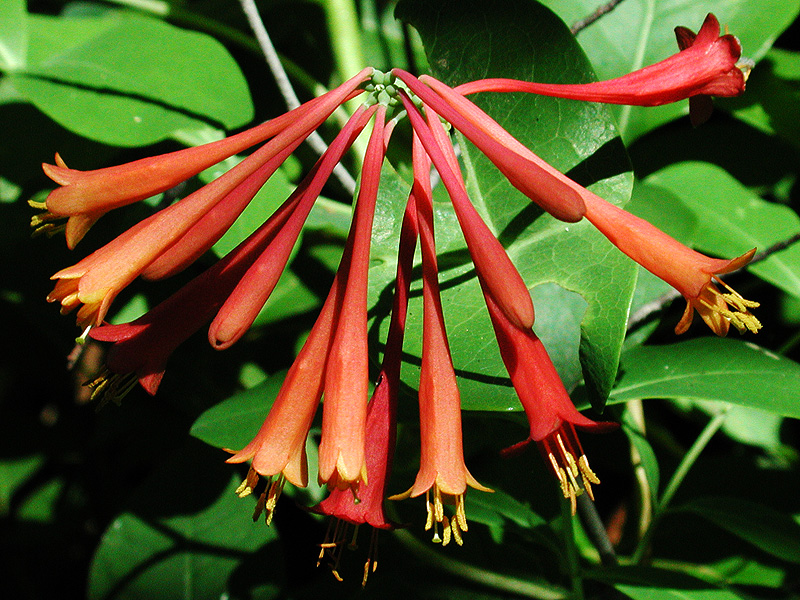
(712, 369)
(732, 220)
(233, 422)
(128, 80)
(772, 101)
(13, 473)
(13, 34)
(638, 34)
(774, 532)
(184, 535)
(657, 593)
(495, 510)
(571, 267)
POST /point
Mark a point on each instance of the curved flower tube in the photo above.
(488, 255)
(141, 348)
(706, 65)
(95, 281)
(543, 184)
(342, 460)
(691, 273)
(365, 504)
(551, 415)
(84, 196)
(255, 287)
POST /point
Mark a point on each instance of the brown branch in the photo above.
(583, 23)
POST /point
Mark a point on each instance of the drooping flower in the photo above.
(691, 273)
(551, 415)
(706, 65)
(365, 504)
(443, 476)
(85, 196)
(342, 449)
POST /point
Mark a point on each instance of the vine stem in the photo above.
(601, 10)
(573, 561)
(677, 478)
(285, 87)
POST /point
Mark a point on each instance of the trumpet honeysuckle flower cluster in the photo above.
(358, 432)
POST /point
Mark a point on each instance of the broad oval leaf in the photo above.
(711, 369)
(129, 80)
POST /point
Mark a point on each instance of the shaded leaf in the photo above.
(189, 548)
(233, 422)
(772, 101)
(773, 532)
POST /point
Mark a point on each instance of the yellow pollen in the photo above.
(445, 531)
(454, 527)
(249, 483)
(574, 476)
(46, 223)
(740, 315)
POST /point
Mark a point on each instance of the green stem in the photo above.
(677, 478)
(472, 573)
(573, 561)
(345, 35)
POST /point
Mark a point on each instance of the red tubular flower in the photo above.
(342, 447)
(85, 196)
(707, 65)
(95, 281)
(551, 414)
(443, 475)
(543, 184)
(488, 255)
(279, 448)
(251, 293)
(691, 273)
(366, 503)
(141, 348)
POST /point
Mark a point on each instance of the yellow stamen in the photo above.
(574, 476)
(111, 387)
(445, 531)
(735, 308)
(249, 483)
